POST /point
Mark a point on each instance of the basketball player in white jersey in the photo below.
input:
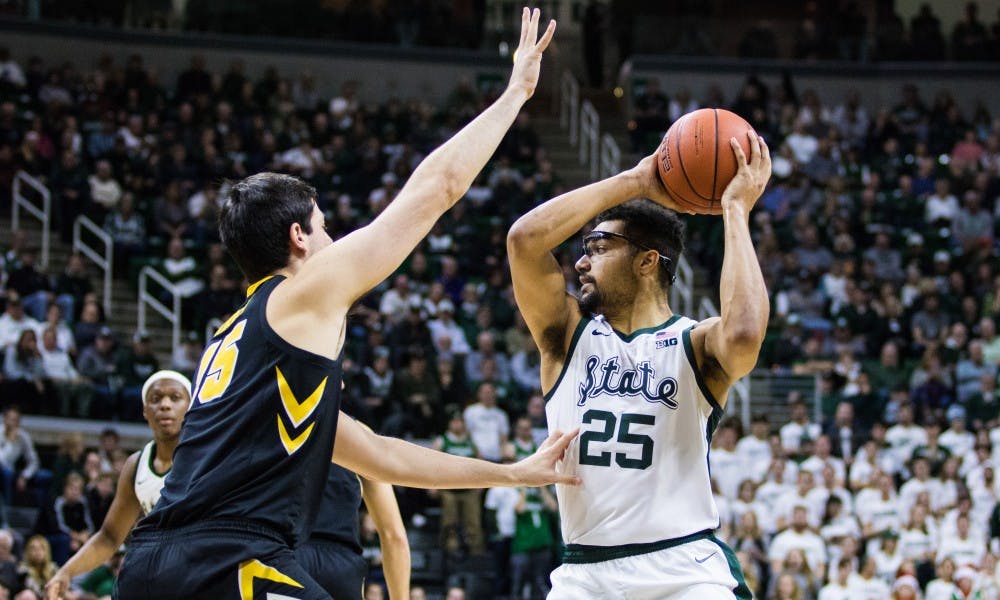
(646, 386)
(166, 396)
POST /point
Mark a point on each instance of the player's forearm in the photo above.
(451, 168)
(93, 554)
(425, 468)
(543, 228)
(743, 296)
(396, 566)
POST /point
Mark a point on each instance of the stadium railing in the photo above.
(103, 258)
(42, 212)
(611, 156)
(569, 105)
(590, 135)
(172, 314)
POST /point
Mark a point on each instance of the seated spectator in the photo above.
(444, 327)
(525, 367)
(488, 425)
(417, 395)
(86, 329)
(72, 391)
(905, 436)
(970, 370)
(24, 375)
(105, 191)
(837, 588)
(822, 457)
(54, 320)
(729, 468)
(799, 433)
(186, 356)
(32, 285)
(128, 232)
(960, 545)
(486, 348)
(879, 508)
(956, 438)
(71, 458)
(72, 519)
(10, 579)
(798, 536)
(19, 465)
(98, 363)
(134, 366)
(14, 321)
(184, 273)
(37, 567)
(943, 586)
(754, 447)
(397, 299)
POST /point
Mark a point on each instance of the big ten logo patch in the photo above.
(665, 339)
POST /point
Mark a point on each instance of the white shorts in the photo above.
(702, 569)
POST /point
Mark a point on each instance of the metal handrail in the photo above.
(43, 214)
(611, 156)
(590, 133)
(569, 105)
(172, 315)
(104, 260)
(682, 290)
(211, 327)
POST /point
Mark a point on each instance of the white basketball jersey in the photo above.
(645, 421)
(148, 482)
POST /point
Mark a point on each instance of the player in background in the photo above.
(647, 386)
(166, 396)
(254, 456)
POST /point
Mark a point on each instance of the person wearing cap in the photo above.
(445, 326)
(906, 587)
(966, 583)
(135, 365)
(166, 396)
(957, 438)
(97, 363)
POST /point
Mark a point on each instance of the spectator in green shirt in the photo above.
(531, 549)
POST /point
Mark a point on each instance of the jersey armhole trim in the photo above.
(569, 356)
(689, 352)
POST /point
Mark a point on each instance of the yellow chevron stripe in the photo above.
(254, 569)
(297, 411)
(292, 444)
(256, 284)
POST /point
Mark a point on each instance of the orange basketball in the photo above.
(695, 160)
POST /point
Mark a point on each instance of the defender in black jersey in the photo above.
(332, 555)
(255, 450)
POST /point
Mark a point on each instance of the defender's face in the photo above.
(605, 270)
(319, 238)
(164, 407)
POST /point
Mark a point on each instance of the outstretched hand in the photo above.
(528, 56)
(57, 586)
(540, 468)
(751, 175)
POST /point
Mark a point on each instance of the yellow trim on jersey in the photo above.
(253, 287)
(254, 569)
(292, 444)
(297, 411)
(229, 321)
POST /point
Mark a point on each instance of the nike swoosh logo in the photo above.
(595, 332)
(701, 560)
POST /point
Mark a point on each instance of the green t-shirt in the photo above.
(533, 527)
(99, 582)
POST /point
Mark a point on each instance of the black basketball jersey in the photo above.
(338, 515)
(257, 442)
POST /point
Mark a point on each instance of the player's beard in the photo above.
(592, 302)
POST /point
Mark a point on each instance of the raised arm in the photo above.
(122, 515)
(726, 347)
(394, 461)
(539, 286)
(362, 259)
(384, 510)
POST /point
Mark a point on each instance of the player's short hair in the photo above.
(653, 226)
(255, 218)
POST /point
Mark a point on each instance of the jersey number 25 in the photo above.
(603, 459)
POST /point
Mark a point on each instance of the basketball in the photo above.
(695, 160)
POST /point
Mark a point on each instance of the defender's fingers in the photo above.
(525, 20)
(547, 36)
(533, 26)
(555, 435)
(560, 444)
(567, 479)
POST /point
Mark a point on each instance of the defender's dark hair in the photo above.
(255, 218)
(653, 226)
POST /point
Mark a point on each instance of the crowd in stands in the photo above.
(876, 237)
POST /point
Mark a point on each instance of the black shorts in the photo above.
(340, 570)
(212, 560)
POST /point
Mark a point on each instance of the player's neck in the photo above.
(646, 310)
